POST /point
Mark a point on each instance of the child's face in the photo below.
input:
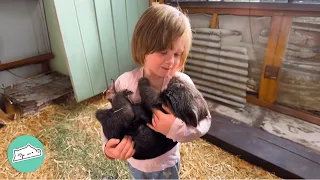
(165, 62)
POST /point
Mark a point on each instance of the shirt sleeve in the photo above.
(182, 132)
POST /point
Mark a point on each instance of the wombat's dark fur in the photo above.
(130, 119)
(182, 98)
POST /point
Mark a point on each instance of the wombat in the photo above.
(130, 119)
(183, 99)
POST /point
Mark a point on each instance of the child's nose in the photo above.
(170, 60)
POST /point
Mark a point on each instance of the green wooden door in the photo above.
(97, 39)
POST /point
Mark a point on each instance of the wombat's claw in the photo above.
(127, 92)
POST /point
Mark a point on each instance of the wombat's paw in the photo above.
(143, 81)
(127, 92)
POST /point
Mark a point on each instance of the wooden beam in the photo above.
(249, 12)
(279, 56)
(214, 20)
(27, 61)
(270, 55)
(276, 7)
(285, 110)
(275, 154)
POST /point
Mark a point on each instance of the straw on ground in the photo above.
(72, 141)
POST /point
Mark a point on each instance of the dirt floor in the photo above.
(72, 141)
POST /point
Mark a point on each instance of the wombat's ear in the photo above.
(112, 85)
(193, 117)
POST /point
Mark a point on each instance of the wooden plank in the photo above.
(279, 55)
(121, 35)
(270, 55)
(214, 20)
(255, 12)
(30, 95)
(133, 14)
(26, 61)
(73, 45)
(107, 39)
(285, 110)
(277, 155)
(277, 7)
(90, 39)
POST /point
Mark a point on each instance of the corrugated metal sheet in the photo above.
(219, 72)
(299, 85)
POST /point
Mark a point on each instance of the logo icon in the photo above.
(26, 153)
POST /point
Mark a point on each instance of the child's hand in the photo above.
(123, 150)
(162, 122)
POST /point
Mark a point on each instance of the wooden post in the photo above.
(269, 56)
(153, 1)
(279, 57)
(45, 67)
(214, 20)
(280, 29)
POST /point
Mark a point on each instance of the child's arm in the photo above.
(114, 147)
(180, 132)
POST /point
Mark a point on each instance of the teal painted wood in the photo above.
(132, 19)
(71, 36)
(121, 35)
(90, 39)
(142, 6)
(107, 38)
(97, 37)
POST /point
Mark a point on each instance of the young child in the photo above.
(160, 45)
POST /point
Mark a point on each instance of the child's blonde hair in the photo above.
(157, 29)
